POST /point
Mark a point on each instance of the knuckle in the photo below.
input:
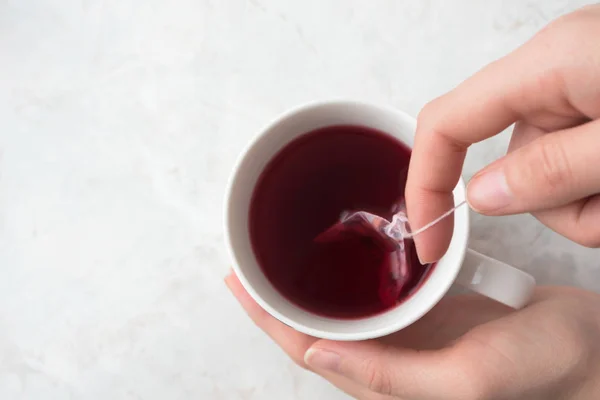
(428, 115)
(549, 30)
(378, 379)
(552, 78)
(550, 166)
(435, 119)
(564, 30)
(560, 26)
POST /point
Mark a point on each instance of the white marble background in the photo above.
(120, 121)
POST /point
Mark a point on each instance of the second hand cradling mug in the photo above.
(460, 264)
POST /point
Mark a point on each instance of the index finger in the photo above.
(479, 108)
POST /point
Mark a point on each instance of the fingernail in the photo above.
(489, 191)
(322, 359)
(423, 262)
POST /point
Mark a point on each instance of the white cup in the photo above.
(460, 264)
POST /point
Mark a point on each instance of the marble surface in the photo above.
(120, 121)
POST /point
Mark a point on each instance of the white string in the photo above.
(435, 221)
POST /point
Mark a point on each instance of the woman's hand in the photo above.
(466, 348)
(551, 88)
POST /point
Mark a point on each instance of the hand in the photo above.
(551, 88)
(466, 348)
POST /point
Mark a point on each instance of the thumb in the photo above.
(553, 170)
(391, 371)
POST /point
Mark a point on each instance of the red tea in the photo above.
(302, 192)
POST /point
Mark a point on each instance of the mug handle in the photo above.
(496, 280)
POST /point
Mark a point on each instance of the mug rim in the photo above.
(442, 288)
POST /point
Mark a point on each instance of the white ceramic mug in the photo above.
(460, 264)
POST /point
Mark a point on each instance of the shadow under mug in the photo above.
(460, 264)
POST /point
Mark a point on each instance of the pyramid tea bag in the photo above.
(391, 236)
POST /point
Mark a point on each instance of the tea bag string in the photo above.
(398, 229)
(435, 221)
